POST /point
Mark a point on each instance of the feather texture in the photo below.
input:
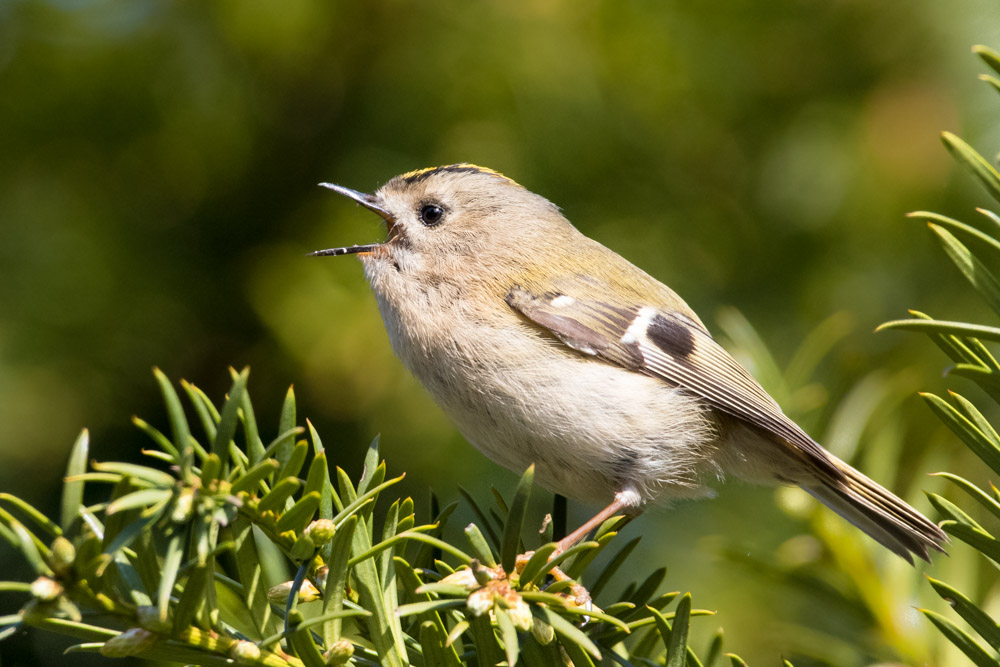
(679, 351)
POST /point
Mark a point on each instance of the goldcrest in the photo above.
(545, 347)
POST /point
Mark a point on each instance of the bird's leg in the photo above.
(626, 501)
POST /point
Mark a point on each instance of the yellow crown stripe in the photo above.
(467, 167)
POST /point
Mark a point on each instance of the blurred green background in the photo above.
(158, 164)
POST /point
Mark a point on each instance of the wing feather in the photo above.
(674, 348)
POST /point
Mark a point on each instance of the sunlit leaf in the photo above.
(981, 278)
(508, 636)
(275, 499)
(301, 513)
(283, 443)
(437, 650)
(370, 467)
(952, 511)
(944, 327)
(569, 632)
(479, 546)
(967, 156)
(965, 643)
(989, 56)
(254, 445)
(211, 468)
(230, 416)
(295, 461)
(978, 619)
(974, 491)
(487, 649)
(72, 493)
(287, 422)
(178, 422)
(151, 475)
(537, 561)
(30, 548)
(139, 499)
(171, 564)
(252, 478)
(303, 643)
(251, 576)
(203, 406)
(976, 440)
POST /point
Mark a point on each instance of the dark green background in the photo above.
(158, 164)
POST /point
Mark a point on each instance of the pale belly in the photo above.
(591, 428)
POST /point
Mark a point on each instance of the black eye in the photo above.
(431, 214)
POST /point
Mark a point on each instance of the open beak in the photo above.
(368, 201)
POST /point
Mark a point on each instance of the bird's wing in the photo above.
(673, 347)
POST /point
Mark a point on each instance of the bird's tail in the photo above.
(875, 510)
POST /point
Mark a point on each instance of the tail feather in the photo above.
(875, 510)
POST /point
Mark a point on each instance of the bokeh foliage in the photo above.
(157, 163)
(975, 251)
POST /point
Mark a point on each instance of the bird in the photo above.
(545, 347)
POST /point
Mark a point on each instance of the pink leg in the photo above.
(618, 506)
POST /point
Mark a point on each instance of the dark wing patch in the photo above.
(671, 335)
(671, 347)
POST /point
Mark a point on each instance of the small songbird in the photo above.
(545, 347)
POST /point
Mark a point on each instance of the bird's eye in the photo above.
(431, 214)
